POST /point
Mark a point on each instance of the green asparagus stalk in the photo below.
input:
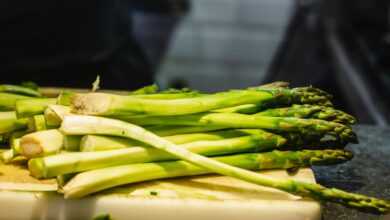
(32, 106)
(14, 89)
(100, 143)
(167, 130)
(99, 179)
(51, 117)
(150, 89)
(116, 105)
(72, 142)
(41, 143)
(235, 120)
(9, 122)
(15, 146)
(81, 125)
(310, 111)
(38, 123)
(8, 100)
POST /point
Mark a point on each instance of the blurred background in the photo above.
(341, 46)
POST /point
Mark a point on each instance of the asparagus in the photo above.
(19, 90)
(167, 130)
(99, 143)
(38, 123)
(8, 100)
(64, 163)
(116, 105)
(310, 111)
(9, 122)
(79, 125)
(41, 143)
(7, 156)
(150, 89)
(33, 106)
(235, 120)
(96, 180)
(72, 142)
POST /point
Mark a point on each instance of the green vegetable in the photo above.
(115, 105)
(21, 90)
(9, 122)
(8, 100)
(41, 143)
(32, 106)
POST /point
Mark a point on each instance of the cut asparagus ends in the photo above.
(9, 122)
(21, 90)
(32, 106)
(41, 143)
(8, 100)
(64, 163)
(99, 180)
(234, 120)
(38, 123)
(81, 125)
(115, 105)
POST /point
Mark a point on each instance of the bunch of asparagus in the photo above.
(95, 141)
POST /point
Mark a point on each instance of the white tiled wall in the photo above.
(224, 44)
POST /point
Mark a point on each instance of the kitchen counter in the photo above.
(368, 173)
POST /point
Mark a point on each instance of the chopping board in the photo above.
(206, 197)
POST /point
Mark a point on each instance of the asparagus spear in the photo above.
(79, 125)
(33, 106)
(38, 123)
(99, 143)
(41, 143)
(19, 90)
(9, 122)
(116, 105)
(8, 100)
(235, 120)
(167, 130)
(310, 111)
(64, 163)
(96, 180)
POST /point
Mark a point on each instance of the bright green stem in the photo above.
(81, 125)
(9, 122)
(72, 142)
(96, 180)
(310, 111)
(65, 98)
(150, 89)
(38, 123)
(116, 105)
(167, 130)
(99, 143)
(41, 143)
(235, 120)
(33, 106)
(8, 100)
(19, 90)
(76, 162)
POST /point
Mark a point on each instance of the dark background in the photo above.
(211, 45)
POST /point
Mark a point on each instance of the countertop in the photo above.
(367, 173)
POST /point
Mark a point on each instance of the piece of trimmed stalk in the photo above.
(38, 123)
(10, 123)
(64, 98)
(14, 89)
(72, 142)
(82, 125)
(96, 180)
(63, 179)
(99, 142)
(235, 120)
(56, 113)
(32, 106)
(8, 100)
(104, 104)
(7, 156)
(41, 143)
(52, 118)
(150, 89)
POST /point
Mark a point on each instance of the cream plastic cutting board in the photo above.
(198, 198)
